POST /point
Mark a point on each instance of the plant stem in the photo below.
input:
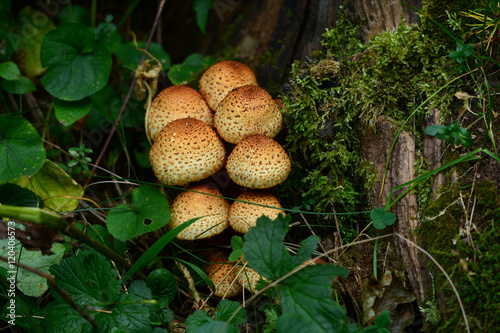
(375, 256)
(57, 222)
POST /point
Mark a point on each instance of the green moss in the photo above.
(471, 261)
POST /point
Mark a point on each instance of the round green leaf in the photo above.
(68, 112)
(150, 211)
(9, 71)
(381, 218)
(21, 148)
(77, 64)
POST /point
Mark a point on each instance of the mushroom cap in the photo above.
(246, 111)
(185, 151)
(177, 102)
(222, 77)
(223, 272)
(248, 277)
(243, 216)
(213, 210)
(258, 162)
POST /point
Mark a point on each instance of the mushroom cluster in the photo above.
(192, 132)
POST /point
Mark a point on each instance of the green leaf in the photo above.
(21, 149)
(383, 320)
(163, 285)
(381, 218)
(292, 322)
(182, 73)
(58, 190)
(197, 319)
(68, 112)
(237, 246)
(29, 20)
(215, 326)
(15, 195)
(9, 71)
(308, 293)
(91, 281)
(29, 283)
(20, 87)
(130, 56)
(77, 64)
(150, 212)
(266, 253)
(153, 251)
(226, 308)
(202, 8)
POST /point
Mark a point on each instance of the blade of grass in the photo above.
(200, 272)
(153, 251)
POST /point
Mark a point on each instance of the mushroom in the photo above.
(243, 215)
(176, 102)
(222, 77)
(258, 162)
(246, 111)
(185, 151)
(223, 272)
(200, 201)
(248, 277)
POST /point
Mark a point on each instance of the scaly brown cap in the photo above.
(222, 77)
(185, 151)
(212, 208)
(258, 162)
(243, 216)
(222, 272)
(177, 102)
(246, 111)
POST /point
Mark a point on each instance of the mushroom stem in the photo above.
(190, 281)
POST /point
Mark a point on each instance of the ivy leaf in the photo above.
(29, 283)
(183, 73)
(149, 212)
(21, 149)
(77, 64)
(226, 308)
(68, 112)
(202, 8)
(381, 218)
(266, 253)
(216, 326)
(452, 133)
(58, 190)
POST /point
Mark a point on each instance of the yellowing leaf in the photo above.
(57, 189)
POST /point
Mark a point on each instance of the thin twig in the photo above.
(127, 98)
(64, 294)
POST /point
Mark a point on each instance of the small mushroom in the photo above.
(223, 272)
(243, 215)
(176, 102)
(258, 162)
(246, 111)
(211, 207)
(222, 77)
(185, 151)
